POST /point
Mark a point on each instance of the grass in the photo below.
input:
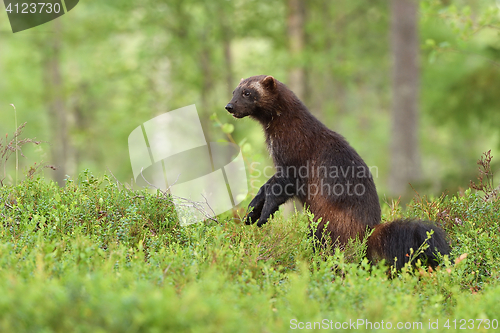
(96, 257)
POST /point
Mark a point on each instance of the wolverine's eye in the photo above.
(246, 94)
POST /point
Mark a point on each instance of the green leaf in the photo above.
(228, 128)
(246, 148)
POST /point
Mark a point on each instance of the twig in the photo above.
(117, 181)
(17, 155)
(14, 145)
(194, 204)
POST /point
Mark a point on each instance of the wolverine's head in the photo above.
(254, 97)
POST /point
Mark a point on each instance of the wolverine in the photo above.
(318, 167)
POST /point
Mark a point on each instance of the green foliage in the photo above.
(463, 33)
(91, 206)
(95, 256)
(123, 63)
(473, 227)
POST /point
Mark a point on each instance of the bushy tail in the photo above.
(395, 239)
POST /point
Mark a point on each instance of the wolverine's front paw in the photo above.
(261, 222)
(251, 218)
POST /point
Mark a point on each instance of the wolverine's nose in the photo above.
(229, 107)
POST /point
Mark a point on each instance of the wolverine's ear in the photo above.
(241, 80)
(269, 83)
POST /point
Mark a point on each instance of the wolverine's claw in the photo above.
(261, 222)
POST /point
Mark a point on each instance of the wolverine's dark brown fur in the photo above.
(321, 169)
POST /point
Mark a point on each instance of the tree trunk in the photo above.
(405, 159)
(55, 104)
(226, 35)
(295, 23)
(296, 76)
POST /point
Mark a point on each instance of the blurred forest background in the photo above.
(412, 85)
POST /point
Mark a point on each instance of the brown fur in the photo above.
(298, 141)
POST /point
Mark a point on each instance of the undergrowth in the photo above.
(96, 256)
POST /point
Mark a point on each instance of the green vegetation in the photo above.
(88, 254)
(97, 257)
(119, 64)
